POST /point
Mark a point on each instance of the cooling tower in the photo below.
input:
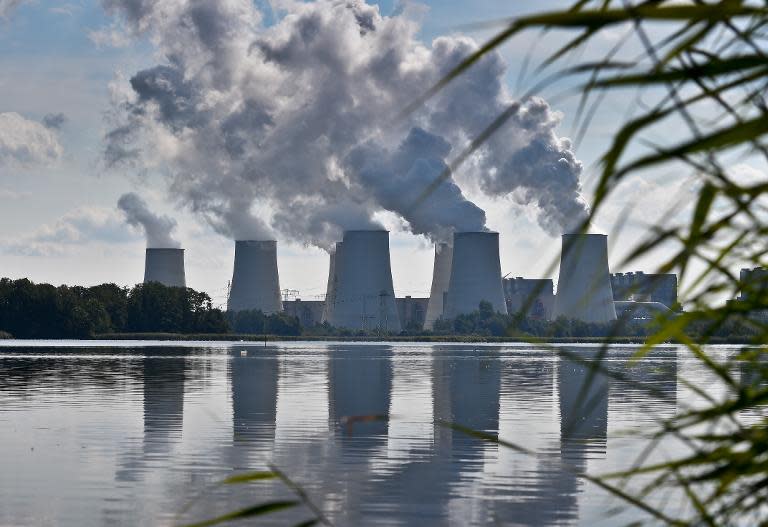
(475, 274)
(255, 280)
(363, 296)
(330, 294)
(441, 277)
(584, 285)
(165, 266)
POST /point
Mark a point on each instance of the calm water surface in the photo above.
(105, 433)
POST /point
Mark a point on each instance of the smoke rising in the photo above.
(54, 121)
(290, 127)
(157, 229)
(7, 7)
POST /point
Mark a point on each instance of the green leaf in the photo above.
(257, 510)
(713, 68)
(249, 476)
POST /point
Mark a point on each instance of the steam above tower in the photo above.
(362, 295)
(255, 280)
(475, 274)
(584, 284)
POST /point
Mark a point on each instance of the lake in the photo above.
(141, 433)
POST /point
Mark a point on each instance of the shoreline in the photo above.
(229, 337)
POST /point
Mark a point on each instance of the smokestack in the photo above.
(441, 277)
(584, 285)
(165, 266)
(330, 294)
(255, 280)
(475, 274)
(363, 295)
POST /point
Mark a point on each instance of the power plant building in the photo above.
(165, 266)
(642, 287)
(362, 296)
(412, 312)
(754, 283)
(441, 277)
(309, 312)
(584, 283)
(475, 274)
(255, 280)
(330, 293)
(534, 297)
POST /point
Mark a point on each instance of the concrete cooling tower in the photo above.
(441, 277)
(584, 285)
(330, 293)
(362, 293)
(475, 274)
(165, 266)
(255, 280)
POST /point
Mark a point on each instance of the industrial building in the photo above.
(640, 311)
(642, 287)
(412, 312)
(441, 277)
(165, 266)
(584, 282)
(330, 294)
(475, 274)
(534, 296)
(362, 296)
(754, 283)
(309, 312)
(255, 280)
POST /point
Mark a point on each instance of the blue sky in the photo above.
(58, 221)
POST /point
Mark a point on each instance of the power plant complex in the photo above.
(360, 295)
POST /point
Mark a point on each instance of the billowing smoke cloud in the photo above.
(156, 228)
(292, 126)
(54, 120)
(7, 7)
(415, 165)
(25, 142)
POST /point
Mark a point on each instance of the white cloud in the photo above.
(65, 9)
(80, 226)
(747, 175)
(110, 36)
(26, 142)
(8, 194)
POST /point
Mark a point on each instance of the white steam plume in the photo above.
(296, 121)
(156, 228)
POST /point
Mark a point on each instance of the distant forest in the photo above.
(29, 311)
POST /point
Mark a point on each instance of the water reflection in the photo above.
(206, 413)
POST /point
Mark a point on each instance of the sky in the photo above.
(65, 69)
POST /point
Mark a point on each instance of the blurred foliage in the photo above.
(703, 67)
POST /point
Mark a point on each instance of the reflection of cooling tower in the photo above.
(441, 276)
(475, 274)
(584, 286)
(165, 266)
(363, 296)
(255, 281)
(330, 295)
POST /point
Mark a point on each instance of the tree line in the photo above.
(29, 310)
